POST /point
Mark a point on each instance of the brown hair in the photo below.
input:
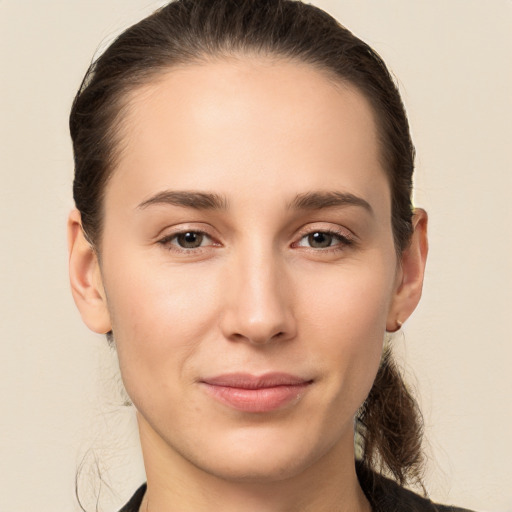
(186, 31)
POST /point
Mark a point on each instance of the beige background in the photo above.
(58, 389)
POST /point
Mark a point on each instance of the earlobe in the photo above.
(85, 278)
(410, 277)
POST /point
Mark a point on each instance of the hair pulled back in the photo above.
(188, 31)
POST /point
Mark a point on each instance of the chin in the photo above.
(266, 455)
(258, 469)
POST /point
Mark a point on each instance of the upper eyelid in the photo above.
(327, 232)
(335, 230)
(182, 231)
(172, 231)
(175, 234)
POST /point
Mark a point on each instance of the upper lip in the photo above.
(249, 381)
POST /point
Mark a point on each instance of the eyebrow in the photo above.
(329, 199)
(211, 201)
(187, 199)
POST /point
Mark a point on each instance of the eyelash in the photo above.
(343, 241)
(168, 240)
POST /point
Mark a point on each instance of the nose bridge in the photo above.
(258, 308)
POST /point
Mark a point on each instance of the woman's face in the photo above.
(248, 265)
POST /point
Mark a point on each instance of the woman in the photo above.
(244, 236)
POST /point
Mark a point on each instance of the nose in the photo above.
(258, 304)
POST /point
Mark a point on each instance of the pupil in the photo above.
(319, 240)
(190, 240)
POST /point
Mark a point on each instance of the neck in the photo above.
(173, 483)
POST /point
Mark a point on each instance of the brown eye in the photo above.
(327, 240)
(320, 240)
(190, 239)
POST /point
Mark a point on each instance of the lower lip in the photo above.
(258, 400)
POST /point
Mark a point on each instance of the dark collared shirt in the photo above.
(383, 494)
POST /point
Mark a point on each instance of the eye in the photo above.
(320, 240)
(190, 239)
(187, 240)
(323, 240)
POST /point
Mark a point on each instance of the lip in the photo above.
(256, 393)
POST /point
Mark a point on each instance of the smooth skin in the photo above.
(273, 168)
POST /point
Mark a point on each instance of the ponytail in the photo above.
(390, 426)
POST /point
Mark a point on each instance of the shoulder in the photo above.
(404, 500)
(385, 495)
(134, 504)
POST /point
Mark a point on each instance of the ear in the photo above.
(85, 278)
(409, 281)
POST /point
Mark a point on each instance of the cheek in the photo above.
(350, 300)
(159, 298)
(159, 317)
(347, 312)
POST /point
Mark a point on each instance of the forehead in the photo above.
(249, 122)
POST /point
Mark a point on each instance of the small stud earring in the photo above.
(398, 326)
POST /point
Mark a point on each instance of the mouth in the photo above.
(256, 394)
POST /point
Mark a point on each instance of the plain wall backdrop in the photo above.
(59, 398)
